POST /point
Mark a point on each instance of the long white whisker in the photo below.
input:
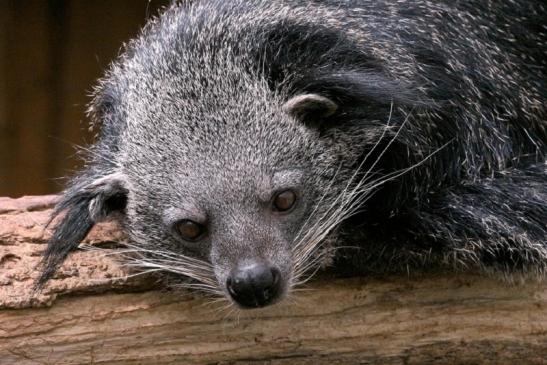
(348, 206)
(343, 194)
(318, 204)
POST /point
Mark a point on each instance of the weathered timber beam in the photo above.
(91, 314)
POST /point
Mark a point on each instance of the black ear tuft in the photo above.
(83, 205)
(310, 108)
(72, 229)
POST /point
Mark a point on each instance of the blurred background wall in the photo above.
(51, 52)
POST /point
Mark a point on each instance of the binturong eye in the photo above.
(284, 201)
(189, 230)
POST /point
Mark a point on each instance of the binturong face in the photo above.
(223, 187)
(232, 207)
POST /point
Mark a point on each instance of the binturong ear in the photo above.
(86, 202)
(310, 108)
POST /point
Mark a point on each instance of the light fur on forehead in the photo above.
(310, 104)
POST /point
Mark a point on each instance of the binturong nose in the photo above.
(254, 285)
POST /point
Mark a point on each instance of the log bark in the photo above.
(93, 313)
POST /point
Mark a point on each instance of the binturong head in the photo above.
(217, 185)
(218, 195)
(227, 175)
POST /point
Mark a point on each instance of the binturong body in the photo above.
(244, 144)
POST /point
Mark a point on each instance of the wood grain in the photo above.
(91, 314)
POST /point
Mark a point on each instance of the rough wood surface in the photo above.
(91, 314)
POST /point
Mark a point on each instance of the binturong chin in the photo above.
(244, 145)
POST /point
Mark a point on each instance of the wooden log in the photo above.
(91, 313)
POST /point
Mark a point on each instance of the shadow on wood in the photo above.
(91, 313)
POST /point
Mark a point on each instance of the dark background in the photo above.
(51, 53)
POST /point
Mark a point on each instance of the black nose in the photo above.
(255, 285)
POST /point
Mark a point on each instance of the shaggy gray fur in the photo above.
(413, 132)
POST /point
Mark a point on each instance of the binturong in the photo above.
(244, 145)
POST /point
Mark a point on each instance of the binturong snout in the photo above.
(254, 285)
